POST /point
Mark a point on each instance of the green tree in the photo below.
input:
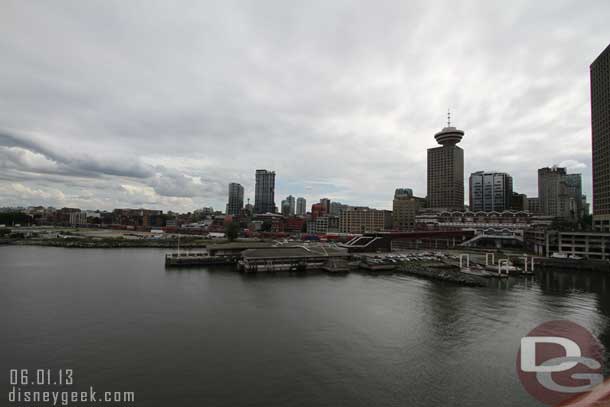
(232, 231)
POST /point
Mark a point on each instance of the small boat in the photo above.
(559, 255)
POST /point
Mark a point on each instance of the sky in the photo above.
(160, 104)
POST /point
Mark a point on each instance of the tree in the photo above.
(232, 230)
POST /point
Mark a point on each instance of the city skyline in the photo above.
(153, 129)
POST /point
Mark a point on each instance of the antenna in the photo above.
(448, 118)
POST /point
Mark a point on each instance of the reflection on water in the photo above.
(193, 337)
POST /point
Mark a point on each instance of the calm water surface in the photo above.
(213, 337)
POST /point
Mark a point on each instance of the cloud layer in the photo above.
(115, 104)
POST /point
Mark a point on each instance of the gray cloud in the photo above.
(150, 104)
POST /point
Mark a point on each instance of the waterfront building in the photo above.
(490, 191)
(78, 218)
(301, 206)
(499, 227)
(359, 219)
(588, 245)
(236, 199)
(264, 192)
(600, 137)
(405, 207)
(560, 193)
(137, 217)
(446, 171)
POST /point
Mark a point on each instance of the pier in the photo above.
(295, 258)
(194, 259)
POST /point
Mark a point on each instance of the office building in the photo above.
(318, 210)
(490, 191)
(301, 206)
(600, 138)
(360, 219)
(405, 207)
(446, 171)
(336, 208)
(560, 193)
(518, 202)
(323, 225)
(264, 192)
(236, 199)
(533, 206)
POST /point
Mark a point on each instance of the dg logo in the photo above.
(560, 363)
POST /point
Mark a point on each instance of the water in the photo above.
(213, 337)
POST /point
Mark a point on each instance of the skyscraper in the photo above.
(600, 126)
(490, 191)
(264, 192)
(236, 199)
(446, 170)
(301, 206)
(560, 193)
(288, 206)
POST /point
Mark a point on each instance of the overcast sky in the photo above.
(161, 104)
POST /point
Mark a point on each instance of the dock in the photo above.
(194, 259)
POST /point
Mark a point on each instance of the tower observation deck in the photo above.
(449, 136)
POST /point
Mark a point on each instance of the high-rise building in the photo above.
(301, 206)
(264, 192)
(288, 206)
(446, 171)
(490, 191)
(236, 199)
(404, 209)
(560, 193)
(291, 204)
(600, 126)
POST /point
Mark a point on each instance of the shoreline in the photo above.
(109, 243)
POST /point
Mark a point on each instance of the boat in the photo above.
(559, 255)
